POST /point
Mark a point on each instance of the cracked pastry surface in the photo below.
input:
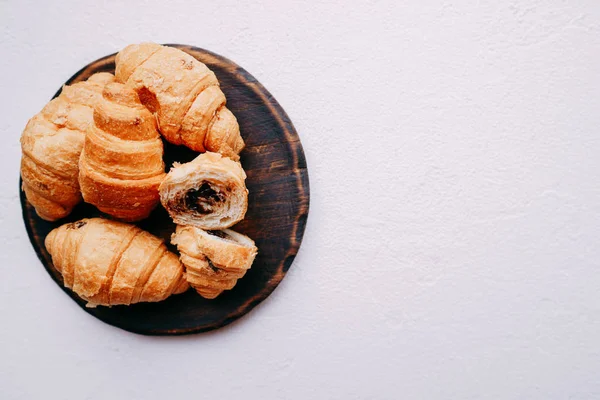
(209, 192)
(214, 260)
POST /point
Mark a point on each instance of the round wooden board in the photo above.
(278, 207)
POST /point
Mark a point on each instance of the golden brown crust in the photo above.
(110, 263)
(132, 57)
(223, 136)
(214, 260)
(185, 96)
(121, 164)
(208, 192)
(51, 144)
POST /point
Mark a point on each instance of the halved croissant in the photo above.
(214, 260)
(51, 144)
(184, 94)
(110, 263)
(121, 164)
(208, 192)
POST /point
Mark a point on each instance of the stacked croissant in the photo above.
(100, 142)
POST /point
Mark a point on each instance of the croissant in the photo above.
(121, 163)
(184, 94)
(208, 192)
(51, 144)
(109, 263)
(214, 260)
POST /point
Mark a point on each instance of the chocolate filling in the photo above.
(220, 234)
(76, 225)
(211, 265)
(203, 198)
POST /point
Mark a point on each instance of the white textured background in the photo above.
(452, 244)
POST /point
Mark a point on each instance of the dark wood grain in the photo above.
(278, 207)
